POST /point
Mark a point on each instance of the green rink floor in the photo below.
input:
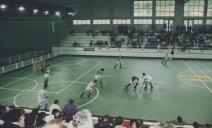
(182, 87)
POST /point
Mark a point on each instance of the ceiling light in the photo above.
(3, 6)
(35, 11)
(57, 13)
(46, 13)
(21, 8)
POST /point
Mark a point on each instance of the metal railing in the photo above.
(21, 57)
(27, 62)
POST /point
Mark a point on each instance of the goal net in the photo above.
(36, 66)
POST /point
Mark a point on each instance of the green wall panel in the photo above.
(34, 33)
(18, 35)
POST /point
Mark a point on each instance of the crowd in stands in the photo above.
(98, 43)
(181, 37)
(71, 117)
(76, 44)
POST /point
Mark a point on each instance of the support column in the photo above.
(179, 13)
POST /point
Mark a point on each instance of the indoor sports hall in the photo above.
(106, 63)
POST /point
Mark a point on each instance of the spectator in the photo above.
(55, 125)
(30, 119)
(208, 126)
(58, 116)
(132, 124)
(40, 121)
(195, 125)
(14, 119)
(69, 110)
(179, 121)
(8, 108)
(75, 43)
(140, 124)
(162, 125)
(2, 112)
(201, 41)
(99, 123)
(189, 29)
(54, 106)
(105, 122)
(82, 119)
(118, 122)
(54, 115)
(91, 43)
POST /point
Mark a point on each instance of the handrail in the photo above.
(22, 57)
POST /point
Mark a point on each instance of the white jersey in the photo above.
(147, 78)
(90, 86)
(98, 77)
(167, 52)
(118, 62)
(46, 75)
(42, 96)
(134, 82)
(54, 106)
(48, 71)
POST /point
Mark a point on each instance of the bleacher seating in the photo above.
(84, 39)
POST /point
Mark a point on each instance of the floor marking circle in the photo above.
(92, 100)
(19, 94)
(6, 98)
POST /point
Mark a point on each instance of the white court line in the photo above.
(204, 66)
(81, 82)
(206, 86)
(201, 71)
(21, 78)
(14, 99)
(15, 89)
(112, 65)
(196, 86)
(25, 90)
(91, 101)
(59, 81)
(186, 73)
(104, 66)
(82, 65)
(188, 81)
(18, 79)
(6, 98)
(84, 60)
(78, 78)
(16, 94)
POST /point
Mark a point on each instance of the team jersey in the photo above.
(42, 96)
(134, 80)
(48, 71)
(118, 61)
(46, 75)
(100, 72)
(147, 78)
(90, 86)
